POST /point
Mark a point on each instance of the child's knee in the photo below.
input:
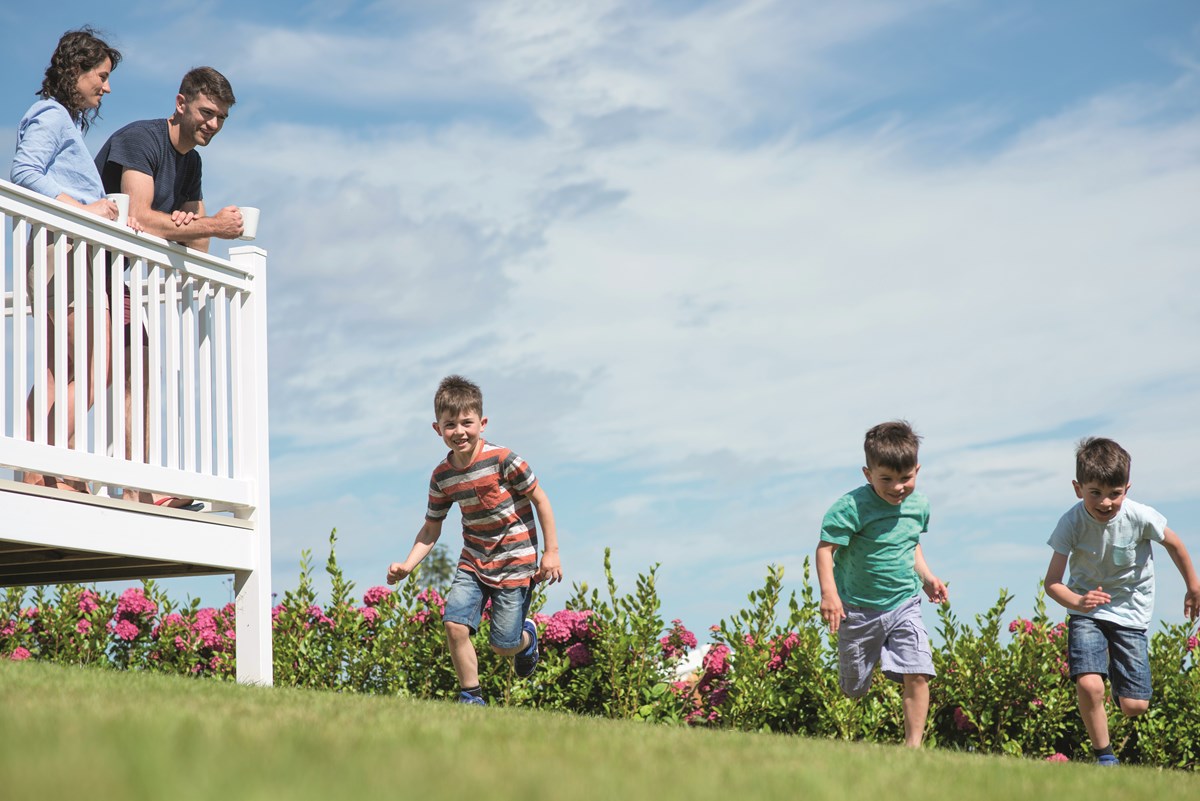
(457, 632)
(1132, 707)
(915, 680)
(1091, 685)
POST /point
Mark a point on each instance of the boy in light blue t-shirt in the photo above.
(1105, 538)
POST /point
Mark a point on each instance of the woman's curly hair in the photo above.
(77, 52)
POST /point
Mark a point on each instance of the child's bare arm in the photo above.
(831, 602)
(1179, 555)
(427, 537)
(550, 568)
(935, 588)
(1060, 592)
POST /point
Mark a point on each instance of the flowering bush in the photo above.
(612, 655)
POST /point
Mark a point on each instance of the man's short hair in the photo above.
(893, 445)
(1101, 461)
(210, 82)
(456, 395)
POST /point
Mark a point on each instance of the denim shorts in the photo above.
(895, 639)
(1118, 653)
(510, 607)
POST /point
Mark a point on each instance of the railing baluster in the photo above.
(221, 348)
(116, 309)
(205, 376)
(62, 380)
(80, 333)
(173, 412)
(237, 396)
(137, 367)
(155, 414)
(188, 348)
(41, 403)
(20, 339)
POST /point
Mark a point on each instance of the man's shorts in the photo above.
(895, 640)
(1118, 653)
(510, 607)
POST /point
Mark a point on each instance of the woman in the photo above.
(51, 159)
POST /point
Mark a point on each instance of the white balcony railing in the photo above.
(182, 412)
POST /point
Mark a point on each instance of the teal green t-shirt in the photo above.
(877, 544)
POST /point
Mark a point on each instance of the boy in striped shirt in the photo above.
(499, 497)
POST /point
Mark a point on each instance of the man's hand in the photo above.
(1093, 598)
(832, 611)
(229, 223)
(550, 570)
(397, 572)
(182, 219)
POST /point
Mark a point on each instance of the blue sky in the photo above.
(692, 251)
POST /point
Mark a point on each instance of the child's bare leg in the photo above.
(1089, 688)
(916, 708)
(462, 654)
(1131, 708)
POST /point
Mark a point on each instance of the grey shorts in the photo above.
(895, 640)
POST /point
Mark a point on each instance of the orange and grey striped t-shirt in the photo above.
(499, 531)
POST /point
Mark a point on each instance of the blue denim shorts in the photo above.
(510, 607)
(894, 639)
(1117, 653)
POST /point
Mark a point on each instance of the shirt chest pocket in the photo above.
(491, 495)
(1124, 550)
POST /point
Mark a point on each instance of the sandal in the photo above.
(184, 504)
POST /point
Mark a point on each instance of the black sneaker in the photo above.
(526, 661)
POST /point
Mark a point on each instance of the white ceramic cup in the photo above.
(249, 222)
(122, 202)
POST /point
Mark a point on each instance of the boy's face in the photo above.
(461, 433)
(1101, 502)
(890, 484)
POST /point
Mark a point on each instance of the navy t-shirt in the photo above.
(145, 146)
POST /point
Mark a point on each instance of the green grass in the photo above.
(88, 734)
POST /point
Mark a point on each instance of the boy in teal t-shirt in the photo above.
(871, 570)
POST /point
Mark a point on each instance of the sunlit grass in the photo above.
(71, 733)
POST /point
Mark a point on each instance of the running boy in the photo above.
(871, 568)
(498, 496)
(1105, 538)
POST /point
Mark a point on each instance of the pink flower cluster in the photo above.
(1022, 625)
(9, 629)
(133, 608)
(89, 602)
(1058, 757)
(1192, 643)
(712, 689)
(578, 654)
(677, 642)
(20, 654)
(317, 615)
(376, 595)
(566, 625)
(962, 721)
(781, 649)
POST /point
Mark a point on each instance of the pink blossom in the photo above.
(716, 662)
(749, 640)
(318, 615)
(173, 619)
(1192, 643)
(369, 613)
(276, 611)
(20, 654)
(376, 595)
(962, 721)
(180, 643)
(1057, 757)
(88, 602)
(677, 642)
(781, 649)
(420, 617)
(83, 626)
(31, 613)
(566, 625)
(1020, 624)
(127, 630)
(133, 602)
(10, 628)
(579, 655)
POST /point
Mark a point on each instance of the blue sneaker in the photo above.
(465, 697)
(1108, 761)
(526, 661)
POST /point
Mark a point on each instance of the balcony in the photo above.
(193, 423)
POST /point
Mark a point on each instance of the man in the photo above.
(155, 162)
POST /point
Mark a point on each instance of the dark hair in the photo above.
(208, 81)
(1101, 461)
(77, 52)
(456, 395)
(893, 445)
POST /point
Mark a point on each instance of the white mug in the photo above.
(249, 222)
(122, 202)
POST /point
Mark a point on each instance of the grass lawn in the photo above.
(90, 734)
